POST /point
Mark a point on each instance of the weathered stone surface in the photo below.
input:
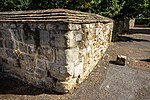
(60, 56)
(48, 53)
(27, 62)
(74, 27)
(50, 26)
(72, 55)
(44, 37)
(1, 43)
(5, 33)
(17, 34)
(78, 70)
(31, 49)
(28, 39)
(55, 52)
(61, 72)
(57, 40)
(70, 39)
(78, 37)
(1, 62)
(85, 26)
(23, 47)
(40, 73)
(10, 53)
(63, 26)
(9, 44)
(41, 64)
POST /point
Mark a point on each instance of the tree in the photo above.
(107, 8)
(13, 5)
(111, 8)
(132, 8)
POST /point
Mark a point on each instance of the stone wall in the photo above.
(52, 55)
(123, 25)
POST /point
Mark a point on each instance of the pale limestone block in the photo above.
(65, 86)
(78, 37)
(92, 25)
(78, 70)
(70, 38)
(72, 55)
(86, 26)
(74, 27)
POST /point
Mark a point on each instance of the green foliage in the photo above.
(115, 9)
(107, 8)
(13, 5)
(142, 21)
(132, 8)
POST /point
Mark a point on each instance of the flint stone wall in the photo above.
(54, 55)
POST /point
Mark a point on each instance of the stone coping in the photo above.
(52, 15)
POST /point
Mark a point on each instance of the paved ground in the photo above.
(106, 82)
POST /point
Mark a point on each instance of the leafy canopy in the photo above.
(110, 8)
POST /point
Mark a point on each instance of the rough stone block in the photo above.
(31, 49)
(23, 47)
(41, 26)
(44, 38)
(51, 26)
(48, 53)
(78, 70)
(9, 44)
(70, 39)
(63, 26)
(121, 60)
(5, 34)
(92, 26)
(28, 39)
(41, 64)
(6, 25)
(74, 27)
(60, 56)
(72, 55)
(78, 37)
(57, 40)
(85, 26)
(13, 26)
(61, 72)
(17, 34)
(10, 53)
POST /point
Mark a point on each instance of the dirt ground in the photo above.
(107, 81)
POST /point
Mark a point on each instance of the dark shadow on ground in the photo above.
(115, 63)
(146, 60)
(129, 39)
(11, 85)
(139, 30)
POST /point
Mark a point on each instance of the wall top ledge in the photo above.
(52, 15)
